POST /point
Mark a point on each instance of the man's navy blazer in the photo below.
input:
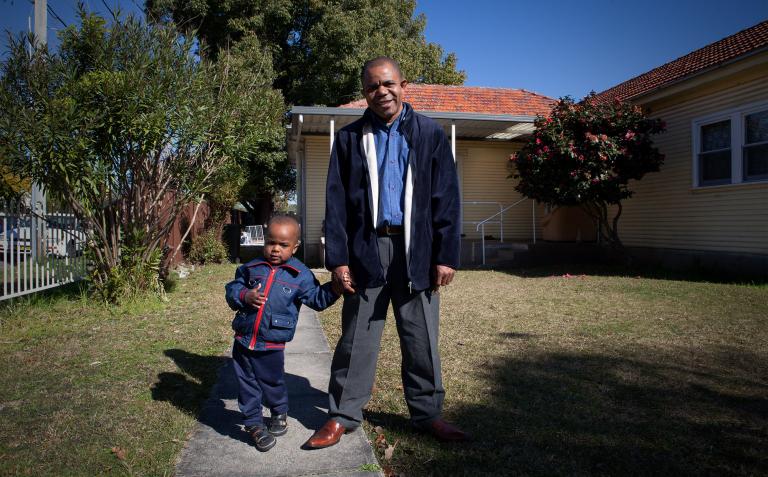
(433, 205)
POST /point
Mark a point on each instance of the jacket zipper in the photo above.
(267, 287)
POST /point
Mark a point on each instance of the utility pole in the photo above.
(37, 226)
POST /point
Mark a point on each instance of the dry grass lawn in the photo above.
(562, 371)
(90, 390)
(554, 374)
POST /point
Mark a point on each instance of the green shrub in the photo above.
(137, 272)
(171, 282)
(207, 248)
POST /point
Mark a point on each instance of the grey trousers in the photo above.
(353, 368)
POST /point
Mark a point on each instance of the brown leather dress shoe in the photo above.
(446, 432)
(326, 436)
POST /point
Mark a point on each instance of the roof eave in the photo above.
(668, 87)
(329, 111)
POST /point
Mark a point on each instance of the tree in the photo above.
(127, 126)
(317, 46)
(585, 154)
(12, 187)
(262, 165)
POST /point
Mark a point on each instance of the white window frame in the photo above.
(737, 116)
(744, 144)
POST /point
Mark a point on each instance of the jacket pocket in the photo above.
(240, 323)
(281, 328)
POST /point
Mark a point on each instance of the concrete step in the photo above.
(495, 251)
(526, 254)
(506, 254)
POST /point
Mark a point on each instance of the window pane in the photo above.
(715, 167)
(716, 136)
(756, 162)
(757, 127)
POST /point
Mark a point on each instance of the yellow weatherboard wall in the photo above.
(667, 211)
(483, 174)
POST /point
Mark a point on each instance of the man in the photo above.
(392, 227)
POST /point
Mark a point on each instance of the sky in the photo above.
(570, 47)
(551, 47)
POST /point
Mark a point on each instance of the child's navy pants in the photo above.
(260, 379)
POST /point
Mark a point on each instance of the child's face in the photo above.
(281, 242)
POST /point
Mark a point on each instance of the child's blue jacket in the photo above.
(286, 287)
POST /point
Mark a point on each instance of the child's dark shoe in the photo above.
(262, 439)
(278, 424)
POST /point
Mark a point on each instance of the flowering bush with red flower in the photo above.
(585, 154)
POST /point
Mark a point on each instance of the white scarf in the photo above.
(369, 147)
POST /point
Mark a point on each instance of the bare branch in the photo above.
(189, 229)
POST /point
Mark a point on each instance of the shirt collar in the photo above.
(379, 124)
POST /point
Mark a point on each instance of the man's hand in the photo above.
(442, 275)
(255, 298)
(342, 280)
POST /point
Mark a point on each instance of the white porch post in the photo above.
(301, 188)
(453, 139)
(333, 129)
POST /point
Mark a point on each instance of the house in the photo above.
(708, 207)
(485, 126)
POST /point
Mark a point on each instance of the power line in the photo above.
(109, 9)
(55, 15)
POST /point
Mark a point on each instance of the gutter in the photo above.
(356, 112)
(649, 95)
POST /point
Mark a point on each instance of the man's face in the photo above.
(281, 243)
(383, 91)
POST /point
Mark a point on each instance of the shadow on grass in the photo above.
(188, 394)
(593, 414)
(213, 381)
(575, 269)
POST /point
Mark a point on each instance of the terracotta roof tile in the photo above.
(729, 48)
(471, 99)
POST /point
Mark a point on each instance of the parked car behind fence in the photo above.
(60, 243)
(63, 236)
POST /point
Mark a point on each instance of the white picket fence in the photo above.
(39, 252)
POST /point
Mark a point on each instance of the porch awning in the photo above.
(457, 125)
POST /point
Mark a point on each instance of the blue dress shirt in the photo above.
(392, 158)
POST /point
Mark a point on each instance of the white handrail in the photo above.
(481, 202)
(501, 211)
(481, 225)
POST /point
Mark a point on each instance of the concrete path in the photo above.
(219, 447)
